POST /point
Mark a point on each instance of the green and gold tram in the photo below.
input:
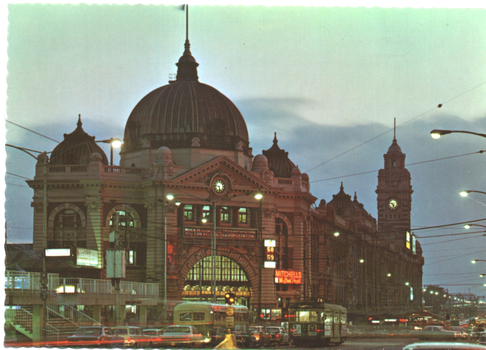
(314, 323)
(211, 319)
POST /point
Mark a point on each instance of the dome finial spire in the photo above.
(187, 22)
(187, 65)
(394, 129)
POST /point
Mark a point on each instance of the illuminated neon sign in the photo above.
(288, 277)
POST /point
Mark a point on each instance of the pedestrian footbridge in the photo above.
(23, 304)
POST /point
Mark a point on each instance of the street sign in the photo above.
(230, 322)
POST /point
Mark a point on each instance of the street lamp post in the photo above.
(43, 280)
(169, 198)
(213, 287)
(465, 193)
(114, 143)
(437, 133)
(476, 260)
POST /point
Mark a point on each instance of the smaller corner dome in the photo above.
(305, 177)
(278, 160)
(394, 147)
(77, 148)
(260, 162)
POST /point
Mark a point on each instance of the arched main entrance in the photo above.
(230, 277)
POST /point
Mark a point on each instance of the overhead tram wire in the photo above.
(450, 234)
(35, 132)
(450, 240)
(440, 105)
(411, 164)
(447, 225)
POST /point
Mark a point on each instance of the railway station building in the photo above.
(197, 213)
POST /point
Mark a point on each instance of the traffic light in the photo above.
(229, 298)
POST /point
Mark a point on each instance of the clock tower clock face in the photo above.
(393, 204)
(219, 186)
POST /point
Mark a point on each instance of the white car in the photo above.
(444, 346)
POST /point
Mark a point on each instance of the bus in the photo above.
(210, 320)
(314, 323)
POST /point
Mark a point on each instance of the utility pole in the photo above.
(214, 251)
(115, 265)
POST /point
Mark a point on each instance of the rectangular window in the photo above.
(188, 212)
(198, 316)
(243, 216)
(225, 215)
(206, 213)
(132, 257)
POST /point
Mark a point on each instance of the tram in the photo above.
(314, 323)
(210, 319)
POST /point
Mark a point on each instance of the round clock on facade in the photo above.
(393, 204)
(219, 186)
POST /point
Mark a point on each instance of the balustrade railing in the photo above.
(106, 169)
(27, 281)
(30, 281)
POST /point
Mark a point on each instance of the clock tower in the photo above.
(394, 194)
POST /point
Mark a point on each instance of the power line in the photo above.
(23, 177)
(35, 132)
(451, 240)
(451, 234)
(440, 105)
(447, 225)
(411, 164)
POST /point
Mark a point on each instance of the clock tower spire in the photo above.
(394, 192)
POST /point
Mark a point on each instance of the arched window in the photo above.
(66, 227)
(125, 219)
(227, 271)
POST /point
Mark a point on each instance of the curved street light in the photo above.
(476, 260)
(437, 133)
(468, 226)
(464, 193)
(43, 280)
(114, 143)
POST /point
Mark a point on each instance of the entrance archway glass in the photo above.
(229, 277)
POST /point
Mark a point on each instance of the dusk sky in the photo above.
(328, 80)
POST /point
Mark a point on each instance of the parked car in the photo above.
(277, 335)
(179, 335)
(94, 336)
(133, 336)
(155, 334)
(464, 333)
(243, 336)
(259, 336)
(438, 333)
(444, 346)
